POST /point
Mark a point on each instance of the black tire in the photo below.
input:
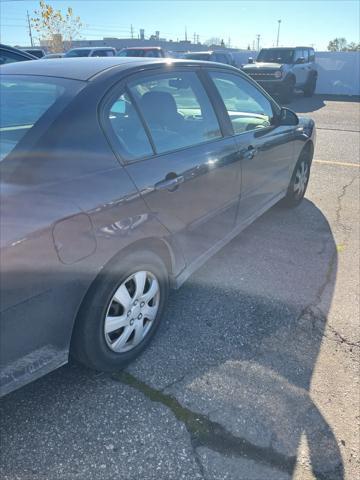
(293, 197)
(287, 91)
(310, 87)
(89, 344)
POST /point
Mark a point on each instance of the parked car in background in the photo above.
(155, 52)
(212, 56)
(91, 52)
(53, 55)
(119, 178)
(282, 70)
(37, 52)
(10, 54)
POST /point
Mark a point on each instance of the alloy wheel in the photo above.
(301, 178)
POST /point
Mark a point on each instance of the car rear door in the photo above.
(266, 150)
(185, 167)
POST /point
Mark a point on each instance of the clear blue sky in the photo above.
(303, 21)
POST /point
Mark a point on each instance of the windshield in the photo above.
(276, 55)
(77, 53)
(198, 56)
(23, 103)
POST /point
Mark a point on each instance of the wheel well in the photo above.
(154, 245)
(308, 151)
(290, 78)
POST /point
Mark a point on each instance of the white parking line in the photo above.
(341, 164)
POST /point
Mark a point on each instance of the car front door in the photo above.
(186, 169)
(299, 69)
(265, 149)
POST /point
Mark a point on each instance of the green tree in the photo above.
(337, 45)
(55, 27)
(353, 47)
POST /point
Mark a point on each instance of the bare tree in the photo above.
(55, 27)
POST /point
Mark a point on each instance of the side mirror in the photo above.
(300, 60)
(287, 117)
(250, 60)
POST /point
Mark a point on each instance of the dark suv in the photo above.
(282, 70)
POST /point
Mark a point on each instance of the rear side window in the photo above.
(123, 121)
(102, 53)
(22, 104)
(10, 57)
(247, 107)
(176, 109)
(311, 55)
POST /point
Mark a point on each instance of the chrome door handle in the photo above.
(250, 152)
(170, 184)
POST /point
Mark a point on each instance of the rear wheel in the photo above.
(299, 181)
(310, 87)
(121, 312)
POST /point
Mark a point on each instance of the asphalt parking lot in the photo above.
(254, 374)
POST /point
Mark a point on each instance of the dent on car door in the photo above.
(187, 172)
(266, 150)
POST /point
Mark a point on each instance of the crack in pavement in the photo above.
(206, 433)
(312, 310)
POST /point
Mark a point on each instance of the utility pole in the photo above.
(278, 33)
(194, 37)
(132, 31)
(258, 41)
(185, 34)
(30, 32)
(229, 42)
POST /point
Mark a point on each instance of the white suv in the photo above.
(282, 70)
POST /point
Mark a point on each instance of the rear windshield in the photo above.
(197, 56)
(276, 55)
(23, 103)
(77, 53)
(139, 53)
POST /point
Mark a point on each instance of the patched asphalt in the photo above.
(254, 374)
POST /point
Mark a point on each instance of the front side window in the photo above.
(247, 107)
(131, 139)
(305, 55)
(22, 104)
(176, 109)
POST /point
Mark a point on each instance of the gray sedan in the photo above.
(119, 178)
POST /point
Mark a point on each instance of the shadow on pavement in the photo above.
(303, 104)
(238, 348)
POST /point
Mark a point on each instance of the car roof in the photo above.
(91, 48)
(87, 67)
(202, 52)
(142, 48)
(284, 48)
